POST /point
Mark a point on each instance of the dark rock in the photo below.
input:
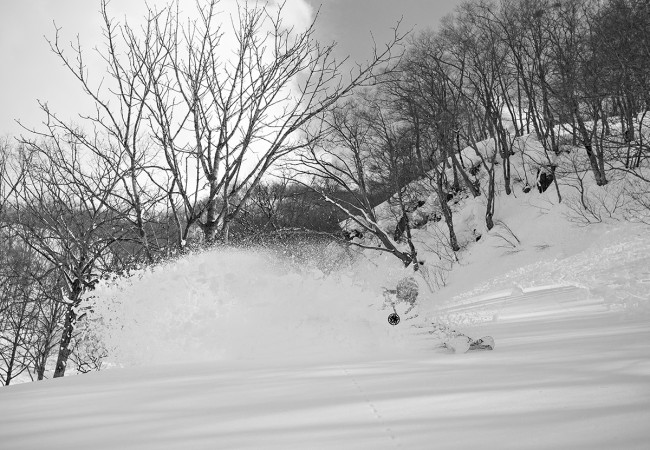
(544, 178)
(352, 234)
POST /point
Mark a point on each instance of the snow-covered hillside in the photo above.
(249, 349)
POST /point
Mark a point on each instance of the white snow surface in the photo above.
(245, 349)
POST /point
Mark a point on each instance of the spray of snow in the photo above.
(239, 304)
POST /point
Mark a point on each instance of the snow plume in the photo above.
(238, 304)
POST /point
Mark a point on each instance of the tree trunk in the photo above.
(549, 121)
(137, 205)
(505, 155)
(68, 329)
(456, 182)
(470, 185)
(64, 346)
(630, 111)
(11, 362)
(210, 227)
(40, 369)
(585, 137)
(446, 211)
(489, 211)
(460, 150)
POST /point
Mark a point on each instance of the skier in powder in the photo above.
(406, 291)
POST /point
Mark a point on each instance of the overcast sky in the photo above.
(30, 72)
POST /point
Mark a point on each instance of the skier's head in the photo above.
(407, 290)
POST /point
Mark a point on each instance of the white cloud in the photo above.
(33, 72)
(298, 13)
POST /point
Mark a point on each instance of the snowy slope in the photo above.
(246, 349)
(573, 377)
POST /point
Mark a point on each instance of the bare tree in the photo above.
(11, 174)
(225, 117)
(15, 321)
(63, 213)
(47, 330)
(573, 88)
(117, 131)
(428, 87)
(480, 51)
(198, 110)
(433, 85)
(392, 140)
(341, 160)
(464, 69)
